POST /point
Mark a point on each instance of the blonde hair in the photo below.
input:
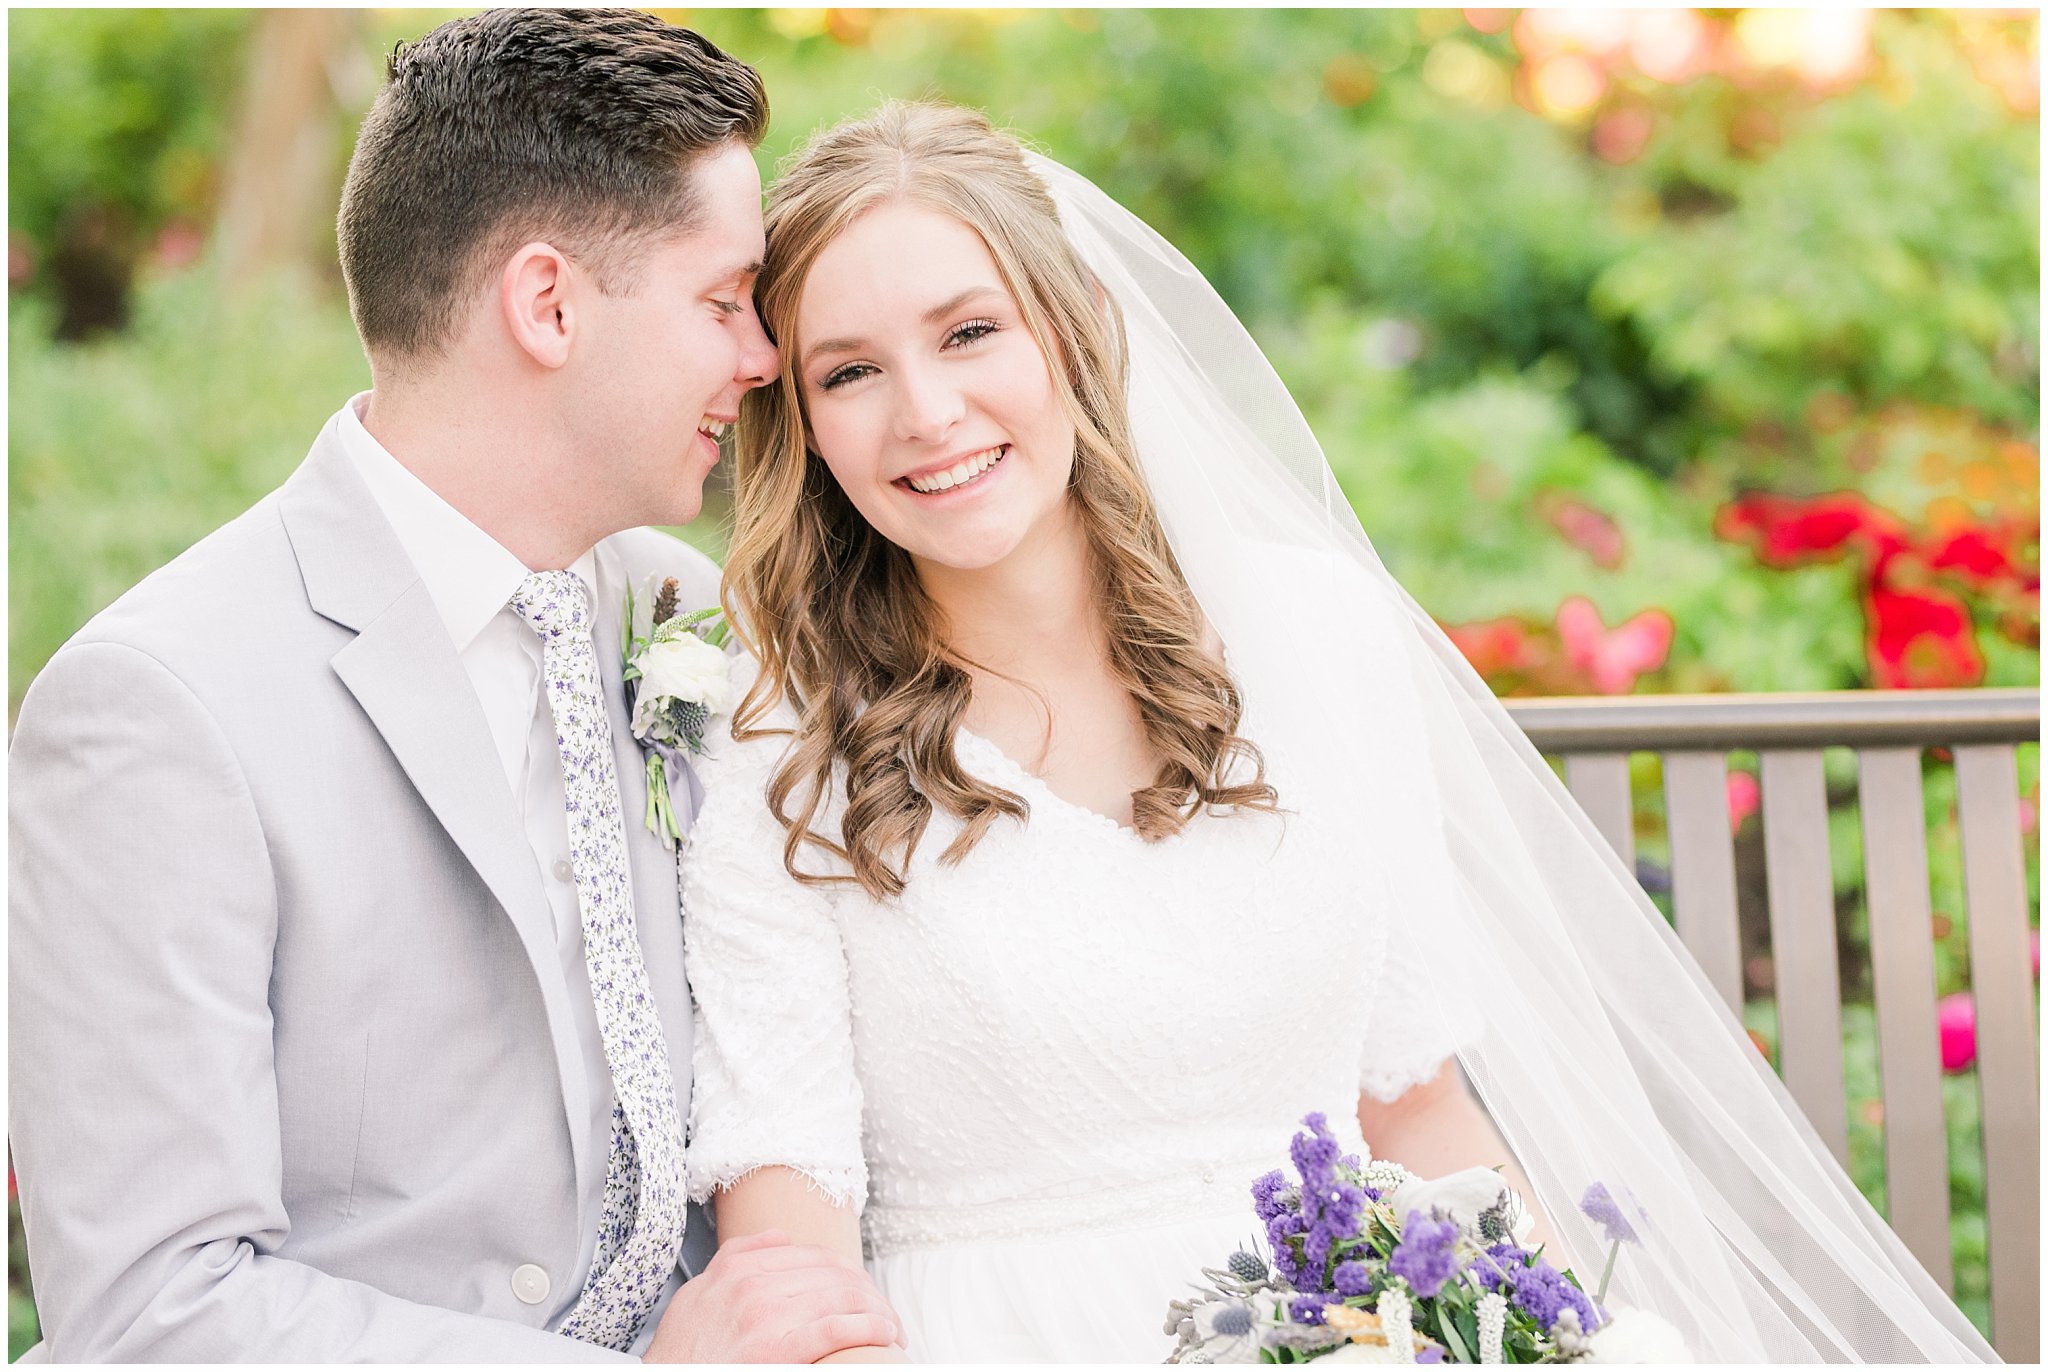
(835, 612)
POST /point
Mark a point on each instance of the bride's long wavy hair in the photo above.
(835, 612)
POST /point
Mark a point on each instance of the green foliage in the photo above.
(120, 108)
(1880, 251)
(124, 452)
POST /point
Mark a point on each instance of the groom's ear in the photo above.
(534, 298)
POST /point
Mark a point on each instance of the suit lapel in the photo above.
(405, 674)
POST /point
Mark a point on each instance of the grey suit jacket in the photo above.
(292, 1071)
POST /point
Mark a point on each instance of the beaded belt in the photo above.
(1223, 1189)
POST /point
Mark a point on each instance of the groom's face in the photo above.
(667, 364)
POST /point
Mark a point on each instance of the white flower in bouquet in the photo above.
(1637, 1336)
(1461, 1197)
(1227, 1331)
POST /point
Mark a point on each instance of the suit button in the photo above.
(530, 1284)
(564, 872)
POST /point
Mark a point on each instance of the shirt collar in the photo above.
(469, 575)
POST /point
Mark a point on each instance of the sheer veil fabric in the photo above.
(1587, 1031)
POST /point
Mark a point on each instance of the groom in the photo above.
(347, 1013)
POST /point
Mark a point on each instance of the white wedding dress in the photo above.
(1049, 1074)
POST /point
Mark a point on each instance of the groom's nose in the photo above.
(758, 359)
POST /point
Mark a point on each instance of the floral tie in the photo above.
(642, 1230)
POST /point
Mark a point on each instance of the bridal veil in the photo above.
(1589, 1034)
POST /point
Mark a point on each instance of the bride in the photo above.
(1101, 808)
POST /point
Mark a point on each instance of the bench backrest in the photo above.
(1888, 730)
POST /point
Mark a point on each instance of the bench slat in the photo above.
(1902, 970)
(1703, 867)
(1799, 877)
(1599, 782)
(1995, 883)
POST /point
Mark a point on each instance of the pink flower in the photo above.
(1956, 1017)
(1592, 531)
(1613, 658)
(1745, 798)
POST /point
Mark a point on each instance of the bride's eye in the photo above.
(973, 331)
(839, 376)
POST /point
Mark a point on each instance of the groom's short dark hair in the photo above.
(576, 127)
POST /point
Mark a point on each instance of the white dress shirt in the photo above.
(471, 578)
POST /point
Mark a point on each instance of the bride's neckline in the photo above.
(1030, 781)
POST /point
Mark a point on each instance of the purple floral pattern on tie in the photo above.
(641, 1233)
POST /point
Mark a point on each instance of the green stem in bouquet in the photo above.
(1607, 1273)
(661, 814)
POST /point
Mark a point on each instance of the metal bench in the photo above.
(1888, 730)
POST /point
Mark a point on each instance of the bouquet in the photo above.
(1370, 1263)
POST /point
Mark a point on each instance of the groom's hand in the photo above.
(764, 1299)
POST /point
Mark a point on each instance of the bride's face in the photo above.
(927, 396)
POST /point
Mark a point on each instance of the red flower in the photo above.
(1613, 658)
(1975, 553)
(1920, 638)
(1493, 646)
(1787, 531)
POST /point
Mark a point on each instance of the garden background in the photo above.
(1661, 350)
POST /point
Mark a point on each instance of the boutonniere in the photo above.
(678, 678)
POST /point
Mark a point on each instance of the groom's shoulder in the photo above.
(650, 552)
(236, 583)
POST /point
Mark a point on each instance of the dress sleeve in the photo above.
(772, 1057)
(1408, 1032)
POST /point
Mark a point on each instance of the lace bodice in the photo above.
(1073, 1027)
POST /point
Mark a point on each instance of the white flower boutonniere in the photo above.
(678, 678)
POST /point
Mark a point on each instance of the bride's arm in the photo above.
(784, 1198)
(1437, 1127)
(775, 1134)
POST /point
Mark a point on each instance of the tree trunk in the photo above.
(280, 181)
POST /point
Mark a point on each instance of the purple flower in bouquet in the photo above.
(1331, 1205)
(1306, 1309)
(1315, 1155)
(1502, 1262)
(1266, 1201)
(1542, 1292)
(1430, 1354)
(1427, 1255)
(1333, 1219)
(1352, 1278)
(1599, 1206)
(1282, 1227)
